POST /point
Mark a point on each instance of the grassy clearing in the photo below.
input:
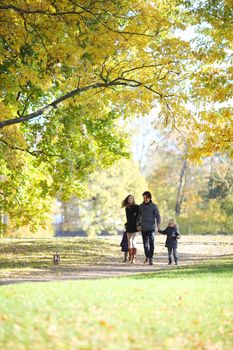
(182, 309)
(33, 257)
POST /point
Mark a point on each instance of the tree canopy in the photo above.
(211, 76)
(70, 69)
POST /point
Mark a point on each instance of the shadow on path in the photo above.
(189, 265)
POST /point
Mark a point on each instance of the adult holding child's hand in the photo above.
(148, 219)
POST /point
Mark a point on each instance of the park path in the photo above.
(190, 252)
(114, 268)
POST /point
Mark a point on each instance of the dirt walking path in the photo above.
(192, 249)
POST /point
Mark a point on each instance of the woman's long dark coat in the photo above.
(131, 216)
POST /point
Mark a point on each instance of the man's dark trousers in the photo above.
(148, 242)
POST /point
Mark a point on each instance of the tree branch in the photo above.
(41, 12)
(144, 85)
(55, 103)
(32, 153)
(50, 106)
(79, 13)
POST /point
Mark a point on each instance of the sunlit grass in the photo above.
(185, 308)
(19, 257)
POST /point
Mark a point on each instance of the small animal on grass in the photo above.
(56, 258)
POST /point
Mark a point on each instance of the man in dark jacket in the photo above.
(147, 216)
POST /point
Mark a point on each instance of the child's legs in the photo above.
(169, 255)
(175, 255)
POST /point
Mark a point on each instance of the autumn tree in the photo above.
(68, 71)
(211, 76)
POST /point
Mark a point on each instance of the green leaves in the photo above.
(56, 160)
(74, 68)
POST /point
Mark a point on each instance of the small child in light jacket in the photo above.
(172, 232)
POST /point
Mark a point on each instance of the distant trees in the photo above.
(205, 197)
(100, 211)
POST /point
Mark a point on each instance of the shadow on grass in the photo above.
(38, 254)
(66, 264)
(221, 266)
(36, 246)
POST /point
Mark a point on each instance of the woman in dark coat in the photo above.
(131, 210)
(172, 232)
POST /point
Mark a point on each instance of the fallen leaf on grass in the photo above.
(3, 317)
(52, 330)
(196, 321)
(105, 324)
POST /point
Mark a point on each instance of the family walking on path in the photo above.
(146, 218)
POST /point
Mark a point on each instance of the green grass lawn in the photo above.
(33, 257)
(185, 308)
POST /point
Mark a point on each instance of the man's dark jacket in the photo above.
(148, 214)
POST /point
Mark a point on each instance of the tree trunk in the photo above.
(181, 186)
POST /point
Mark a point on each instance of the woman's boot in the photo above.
(134, 255)
(130, 254)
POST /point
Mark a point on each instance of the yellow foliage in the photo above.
(51, 48)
